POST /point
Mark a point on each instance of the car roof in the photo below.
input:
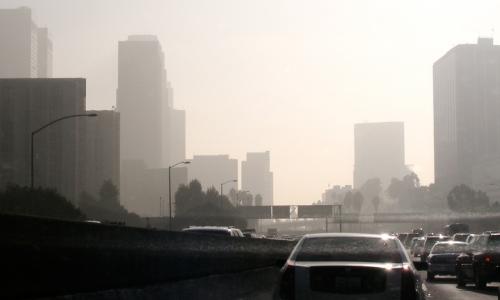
(451, 243)
(207, 228)
(340, 234)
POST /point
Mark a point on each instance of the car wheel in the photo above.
(479, 282)
(430, 276)
(460, 279)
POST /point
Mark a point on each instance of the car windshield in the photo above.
(359, 249)
(448, 248)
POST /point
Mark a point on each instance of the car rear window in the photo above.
(448, 248)
(358, 249)
(211, 232)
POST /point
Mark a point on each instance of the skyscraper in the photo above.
(102, 150)
(257, 177)
(140, 97)
(212, 170)
(25, 49)
(28, 104)
(379, 152)
(174, 147)
(466, 122)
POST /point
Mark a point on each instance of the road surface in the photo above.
(445, 288)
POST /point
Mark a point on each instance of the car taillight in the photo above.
(408, 287)
(487, 259)
(287, 284)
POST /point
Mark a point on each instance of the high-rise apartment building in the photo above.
(102, 150)
(257, 177)
(140, 99)
(212, 170)
(25, 49)
(28, 104)
(466, 123)
(379, 152)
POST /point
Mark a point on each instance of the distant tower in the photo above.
(25, 49)
(140, 97)
(257, 177)
(379, 152)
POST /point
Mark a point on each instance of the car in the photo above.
(451, 229)
(408, 240)
(429, 242)
(417, 247)
(442, 258)
(349, 265)
(460, 237)
(212, 230)
(480, 262)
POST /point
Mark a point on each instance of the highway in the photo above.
(445, 288)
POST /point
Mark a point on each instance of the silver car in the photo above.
(349, 266)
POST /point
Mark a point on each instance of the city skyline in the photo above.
(317, 84)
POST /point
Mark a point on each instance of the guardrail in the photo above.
(44, 257)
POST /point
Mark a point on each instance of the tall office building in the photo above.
(140, 99)
(102, 150)
(379, 152)
(174, 147)
(257, 177)
(25, 49)
(212, 170)
(466, 122)
(28, 104)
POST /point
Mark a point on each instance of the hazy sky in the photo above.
(287, 76)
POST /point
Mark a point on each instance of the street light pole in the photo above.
(33, 133)
(170, 191)
(221, 190)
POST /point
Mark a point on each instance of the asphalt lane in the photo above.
(445, 288)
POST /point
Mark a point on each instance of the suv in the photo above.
(349, 265)
(480, 262)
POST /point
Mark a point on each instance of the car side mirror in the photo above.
(420, 265)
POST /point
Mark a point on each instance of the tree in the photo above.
(192, 201)
(348, 201)
(462, 198)
(407, 191)
(376, 202)
(258, 200)
(357, 201)
(39, 201)
(108, 208)
(109, 195)
(371, 188)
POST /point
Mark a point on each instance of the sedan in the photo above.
(349, 266)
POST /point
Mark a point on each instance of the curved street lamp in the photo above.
(221, 189)
(33, 133)
(186, 162)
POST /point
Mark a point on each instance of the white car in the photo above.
(349, 266)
